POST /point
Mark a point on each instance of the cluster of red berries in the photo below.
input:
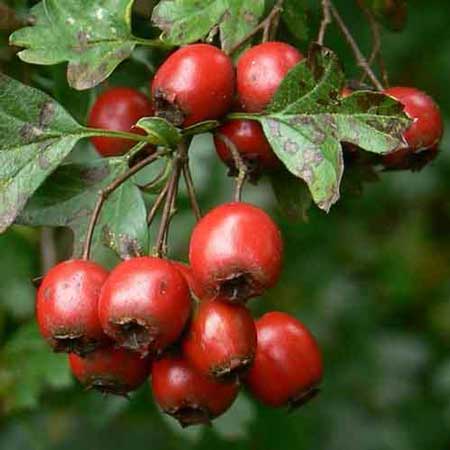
(198, 82)
(186, 326)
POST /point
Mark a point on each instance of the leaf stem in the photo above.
(107, 191)
(92, 132)
(263, 26)
(360, 58)
(326, 20)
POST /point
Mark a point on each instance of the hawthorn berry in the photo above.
(248, 138)
(185, 394)
(144, 304)
(235, 252)
(66, 306)
(221, 341)
(427, 127)
(288, 363)
(110, 370)
(118, 109)
(186, 271)
(195, 83)
(260, 71)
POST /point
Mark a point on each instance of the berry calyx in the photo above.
(195, 83)
(222, 339)
(188, 396)
(248, 138)
(118, 109)
(144, 304)
(110, 370)
(235, 252)
(288, 365)
(260, 70)
(66, 306)
(427, 127)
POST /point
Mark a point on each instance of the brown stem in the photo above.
(326, 20)
(157, 203)
(264, 26)
(107, 191)
(360, 58)
(48, 249)
(187, 175)
(239, 164)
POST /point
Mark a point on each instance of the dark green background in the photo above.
(371, 279)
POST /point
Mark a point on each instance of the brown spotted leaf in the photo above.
(186, 21)
(307, 121)
(94, 36)
(67, 199)
(36, 134)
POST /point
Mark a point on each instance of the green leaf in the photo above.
(293, 196)
(94, 36)
(68, 197)
(28, 367)
(36, 134)
(307, 121)
(294, 17)
(162, 131)
(391, 13)
(186, 21)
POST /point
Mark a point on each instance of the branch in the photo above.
(264, 26)
(158, 202)
(187, 175)
(107, 191)
(360, 58)
(326, 20)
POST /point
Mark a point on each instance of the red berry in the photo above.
(195, 83)
(346, 92)
(236, 251)
(221, 340)
(109, 370)
(260, 71)
(66, 306)
(187, 395)
(249, 140)
(288, 363)
(186, 271)
(118, 109)
(144, 304)
(427, 128)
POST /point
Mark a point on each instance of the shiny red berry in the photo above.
(118, 109)
(144, 304)
(236, 252)
(248, 138)
(288, 363)
(221, 341)
(260, 71)
(66, 306)
(195, 83)
(110, 370)
(187, 395)
(427, 127)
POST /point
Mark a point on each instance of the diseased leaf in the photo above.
(294, 198)
(186, 21)
(94, 36)
(294, 16)
(391, 13)
(36, 134)
(307, 121)
(68, 197)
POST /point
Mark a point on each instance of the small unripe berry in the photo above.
(221, 341)
(187, 395)
(260, 70)
(248, 138)
(236, 252)
(288, 363)
(66, 306)
(194, 84)
(144, 304)
(118, 109)
(110, 370)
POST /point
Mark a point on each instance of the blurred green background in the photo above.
(371, 279)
